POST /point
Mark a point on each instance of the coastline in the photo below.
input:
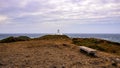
(109, 37)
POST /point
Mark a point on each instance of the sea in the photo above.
(109, 37)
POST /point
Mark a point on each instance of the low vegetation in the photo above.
(54, 37)
(25, 38)
(14, 39)
(99, 44)
(57, 51)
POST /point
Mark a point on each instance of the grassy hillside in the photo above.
(99, 44)
(54, 37)
(55, 51)
(14, 39)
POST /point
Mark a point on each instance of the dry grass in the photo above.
(99, 44)
(50, 54)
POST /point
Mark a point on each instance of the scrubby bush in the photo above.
(98, 48)
(99, 44)
(23, 38)
(76, 41)
(14, 39)
(54, 37)
(9, 39)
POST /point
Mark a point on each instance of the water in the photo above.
(2, 36)
(110, 37)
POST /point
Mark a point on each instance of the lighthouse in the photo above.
(58, 32)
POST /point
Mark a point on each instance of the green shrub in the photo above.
(14, 39)
(23, 38)
(9, 39)
(54, 37)
(98, 48)
(99, 44)
(76, 41)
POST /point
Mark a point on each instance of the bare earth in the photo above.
(51, 54)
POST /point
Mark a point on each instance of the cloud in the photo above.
(3, 19)
(37, 11)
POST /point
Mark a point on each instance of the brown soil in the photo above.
(51, 54)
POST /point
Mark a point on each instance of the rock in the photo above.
(54, 67)
(1, 64)
(114, 64)
(63, 66)
(117, 60)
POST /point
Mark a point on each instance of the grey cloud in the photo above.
(44, 11)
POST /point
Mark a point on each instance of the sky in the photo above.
(70, 16)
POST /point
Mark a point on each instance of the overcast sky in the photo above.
(70, 16)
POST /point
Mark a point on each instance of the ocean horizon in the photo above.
(109, 37)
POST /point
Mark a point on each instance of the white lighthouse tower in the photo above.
(58, 32)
